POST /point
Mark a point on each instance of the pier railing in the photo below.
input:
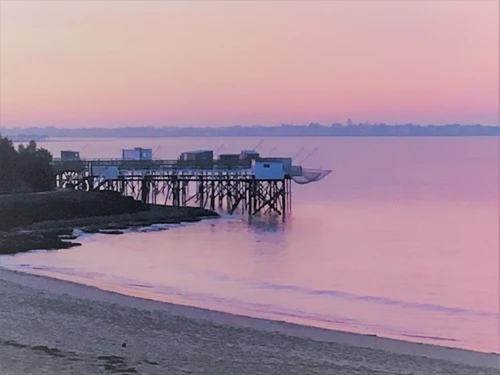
(85, 165)
(210, 185)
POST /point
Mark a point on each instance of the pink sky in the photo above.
(131, 63)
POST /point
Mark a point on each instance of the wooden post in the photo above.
(283, 198)
(212, 195)
(144, 190)
(175, 192)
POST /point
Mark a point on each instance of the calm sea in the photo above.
(401, 241)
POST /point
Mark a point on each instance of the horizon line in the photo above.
(284, 125)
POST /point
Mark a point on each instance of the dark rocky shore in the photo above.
(47, 220)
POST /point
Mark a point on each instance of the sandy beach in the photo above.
(50, 326)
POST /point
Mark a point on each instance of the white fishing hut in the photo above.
(198, 158)
(247, 157)
(70, 155)
(137, 153)
(271, 168)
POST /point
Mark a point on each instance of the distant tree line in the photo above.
(26, 169)
(313, 129)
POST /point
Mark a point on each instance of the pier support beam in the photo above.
(229, 191)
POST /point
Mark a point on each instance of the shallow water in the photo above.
(401, 240)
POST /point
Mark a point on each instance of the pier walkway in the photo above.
(260, 185)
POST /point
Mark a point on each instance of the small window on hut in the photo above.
(267, 166)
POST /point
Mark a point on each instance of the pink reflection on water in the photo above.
(391, 244)
(402, 271)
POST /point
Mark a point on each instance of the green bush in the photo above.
(26, 170)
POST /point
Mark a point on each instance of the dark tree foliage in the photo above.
(8, 166)
(25, 170)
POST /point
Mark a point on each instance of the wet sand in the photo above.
(48, 326)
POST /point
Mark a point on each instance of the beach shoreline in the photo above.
(58, 297)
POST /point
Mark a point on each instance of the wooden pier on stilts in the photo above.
(258, 186)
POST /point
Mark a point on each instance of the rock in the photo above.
(90, 229)
(117, 226)
(190, 219)
(105, 231)
(67, 237)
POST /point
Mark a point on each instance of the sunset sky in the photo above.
(131, 63)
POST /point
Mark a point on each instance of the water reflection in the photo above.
(380, 247)
(268, 223)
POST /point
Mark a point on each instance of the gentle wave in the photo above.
(377, 299)
(356, 297)
(272, 311)
(276, 287)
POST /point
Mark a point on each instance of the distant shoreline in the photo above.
(48, 139)
(311, 130)
(66, 138)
